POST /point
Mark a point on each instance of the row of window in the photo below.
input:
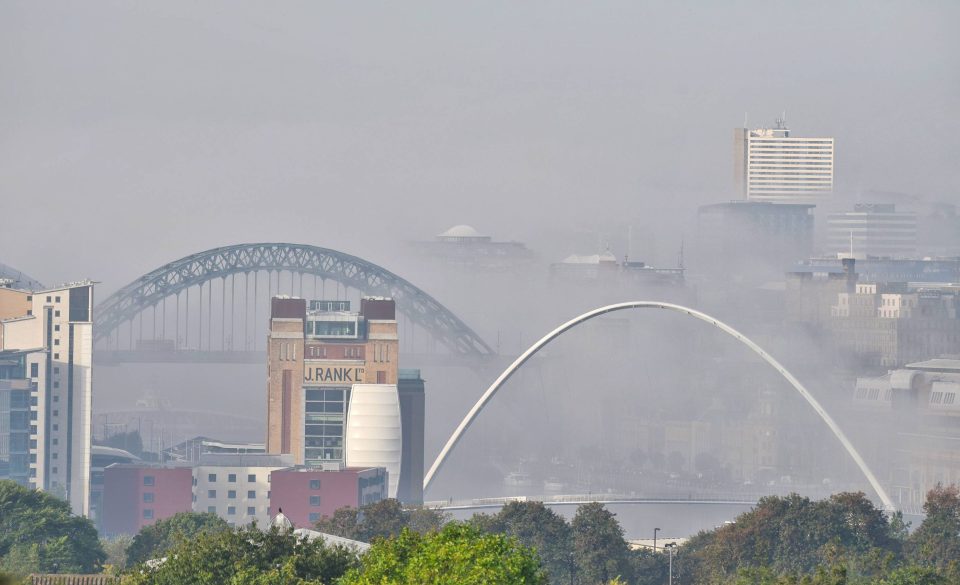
(232, 494)
(232, 478)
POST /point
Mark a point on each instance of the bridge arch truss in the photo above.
(170, 280)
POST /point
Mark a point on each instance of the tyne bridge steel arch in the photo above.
(196, 269)
(485, 398)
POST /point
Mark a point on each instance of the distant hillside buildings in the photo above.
(880, 312)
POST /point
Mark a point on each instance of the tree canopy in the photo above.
(247, 556)
(153, 542)
(600, 550)
(38, 533)
(458, 553)
(536, 526)
(936, 543)
(382, 519)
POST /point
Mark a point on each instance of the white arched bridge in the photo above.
(533, 349)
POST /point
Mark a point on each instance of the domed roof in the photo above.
(461, 231)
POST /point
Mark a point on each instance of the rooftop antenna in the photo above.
(680, 261)
(851, 243)
(626, 257)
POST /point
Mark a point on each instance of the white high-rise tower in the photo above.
(771, 165)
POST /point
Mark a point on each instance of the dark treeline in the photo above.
(788, 540)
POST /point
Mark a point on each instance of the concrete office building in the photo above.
(49, 333)
(241, 489)
(236, 487)
(771, 165)
(744, 236)
(873, 230)
(332, 385)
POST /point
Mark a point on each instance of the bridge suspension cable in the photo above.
(485, 398)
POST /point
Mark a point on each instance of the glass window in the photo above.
(148, 480)
(231, 510)
(212, 477)
(232, 494)
(251, 495)
(252, 477)
(212, 509)
(148, 498)
(314, 484)
(147, 514)
(211, 493)
(314, 517)
(232, 478)
(34, 370)
(251, 511)
(314, 500)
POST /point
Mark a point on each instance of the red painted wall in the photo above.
(123, 489)
(290, 490)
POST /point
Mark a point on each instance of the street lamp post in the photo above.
(655, 531)
(670, 546)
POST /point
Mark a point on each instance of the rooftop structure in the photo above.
(464, 246)
(923, 424)
(605, 267)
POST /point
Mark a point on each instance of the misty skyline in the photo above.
(133, 135)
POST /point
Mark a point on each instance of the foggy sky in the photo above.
(132, 134)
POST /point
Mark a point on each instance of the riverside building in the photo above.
(333, 399)
(46, 351)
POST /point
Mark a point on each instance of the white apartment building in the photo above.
(236, 487)
(770, 165)
(54, 327)
(873, 229)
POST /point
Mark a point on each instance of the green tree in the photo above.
(538, 527)
(116, 549)
(793, 535)
(458, 553)
(38, 533)
(344, 522)
(424, 520)
(247, 556)
(600, 551)
(936, 543)
(153, 541)
(382, 519)
(648, 567)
